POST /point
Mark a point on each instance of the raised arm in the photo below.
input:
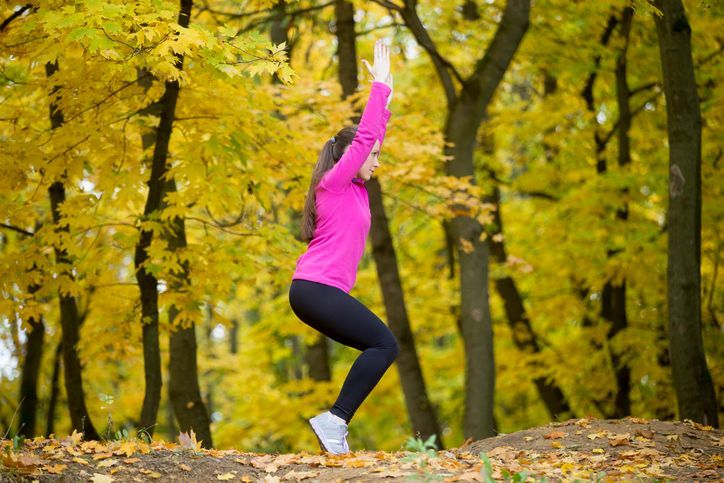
(372, 127)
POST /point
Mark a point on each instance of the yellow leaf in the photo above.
(81, 461)
(127, 448)
(188, 441)
(152, 474)
(226, 476)
(100, 478)
(55, 469)
(184, 467)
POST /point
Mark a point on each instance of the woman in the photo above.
(336, 222)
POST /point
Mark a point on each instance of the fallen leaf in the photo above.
(100, 478)
(107, 463)
(226, 476)
(152, 474)
(246, 479)
(593, 436)
(555, 435)
(101, 456)
(91, 446)
(471, 475)
(73, 439)
(188, 441)
(698, 425)
(300, 475)
(55, 469)
(81, 461)
(130, 461)
(618, 440)
(392, 473)
(127, 448)
(184, 467)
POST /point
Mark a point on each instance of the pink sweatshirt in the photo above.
(343, 209)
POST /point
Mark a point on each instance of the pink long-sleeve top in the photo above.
(342, 203)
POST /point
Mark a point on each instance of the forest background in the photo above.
(179, 138)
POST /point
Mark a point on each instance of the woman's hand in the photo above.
(381, 69)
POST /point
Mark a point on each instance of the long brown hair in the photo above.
(331, 153)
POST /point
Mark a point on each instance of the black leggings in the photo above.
(343, 318)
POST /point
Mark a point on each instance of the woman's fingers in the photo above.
(369, 68)
(381, 69)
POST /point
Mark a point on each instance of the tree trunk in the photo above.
(466, 110)
(613, 298)
(346, 46)
(147, 283)
(692, 380)
(421, 413)
(475, 322)
(524, 337)
(184, 389)
(29, 377)
(70, 319)
(54, 388)
(234, 337)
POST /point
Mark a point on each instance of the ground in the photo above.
(584, 449)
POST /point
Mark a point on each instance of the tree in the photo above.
(692, 380)
(466, 110)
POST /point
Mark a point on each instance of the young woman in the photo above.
(336, 222)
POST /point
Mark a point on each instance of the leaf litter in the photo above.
(595, 449)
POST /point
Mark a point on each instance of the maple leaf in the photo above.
(188, 441)
(226, 476)
(73, 439)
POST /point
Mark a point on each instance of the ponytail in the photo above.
(331, 152)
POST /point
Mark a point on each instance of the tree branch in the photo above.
(14, 15)
(15, 228)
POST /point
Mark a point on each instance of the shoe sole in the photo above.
(317, 431)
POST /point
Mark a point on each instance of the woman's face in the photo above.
(371, 164)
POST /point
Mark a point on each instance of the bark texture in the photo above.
(692, 380)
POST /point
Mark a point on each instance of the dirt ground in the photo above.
(585, 449)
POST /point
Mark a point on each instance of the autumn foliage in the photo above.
(567, 210)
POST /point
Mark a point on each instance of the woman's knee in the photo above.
(392, 348)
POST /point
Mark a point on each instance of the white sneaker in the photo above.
(332, 434)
